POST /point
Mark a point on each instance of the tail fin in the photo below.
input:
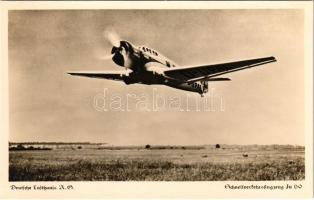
(204, 86)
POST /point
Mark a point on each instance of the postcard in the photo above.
(157, 99)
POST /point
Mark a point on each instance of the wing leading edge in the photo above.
(112, 75)
(197, 73)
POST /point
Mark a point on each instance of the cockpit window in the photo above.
(145, 49)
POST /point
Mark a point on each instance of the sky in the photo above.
(262, 105)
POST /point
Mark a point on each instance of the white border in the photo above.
(159, 189)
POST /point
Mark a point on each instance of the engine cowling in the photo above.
(122, 54)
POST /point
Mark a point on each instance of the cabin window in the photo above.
(167, 63)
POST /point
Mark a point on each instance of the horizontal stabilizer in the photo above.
(218, 79)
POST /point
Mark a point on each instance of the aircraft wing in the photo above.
(112, 75)
(205, 72)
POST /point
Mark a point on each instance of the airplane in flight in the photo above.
(147, 66)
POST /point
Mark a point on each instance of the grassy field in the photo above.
(209, 164)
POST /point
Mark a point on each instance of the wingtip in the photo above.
(70, 73)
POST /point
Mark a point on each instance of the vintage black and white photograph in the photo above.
(156, 95)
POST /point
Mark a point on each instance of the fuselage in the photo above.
(147, 66)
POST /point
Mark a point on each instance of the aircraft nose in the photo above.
(118, 59)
